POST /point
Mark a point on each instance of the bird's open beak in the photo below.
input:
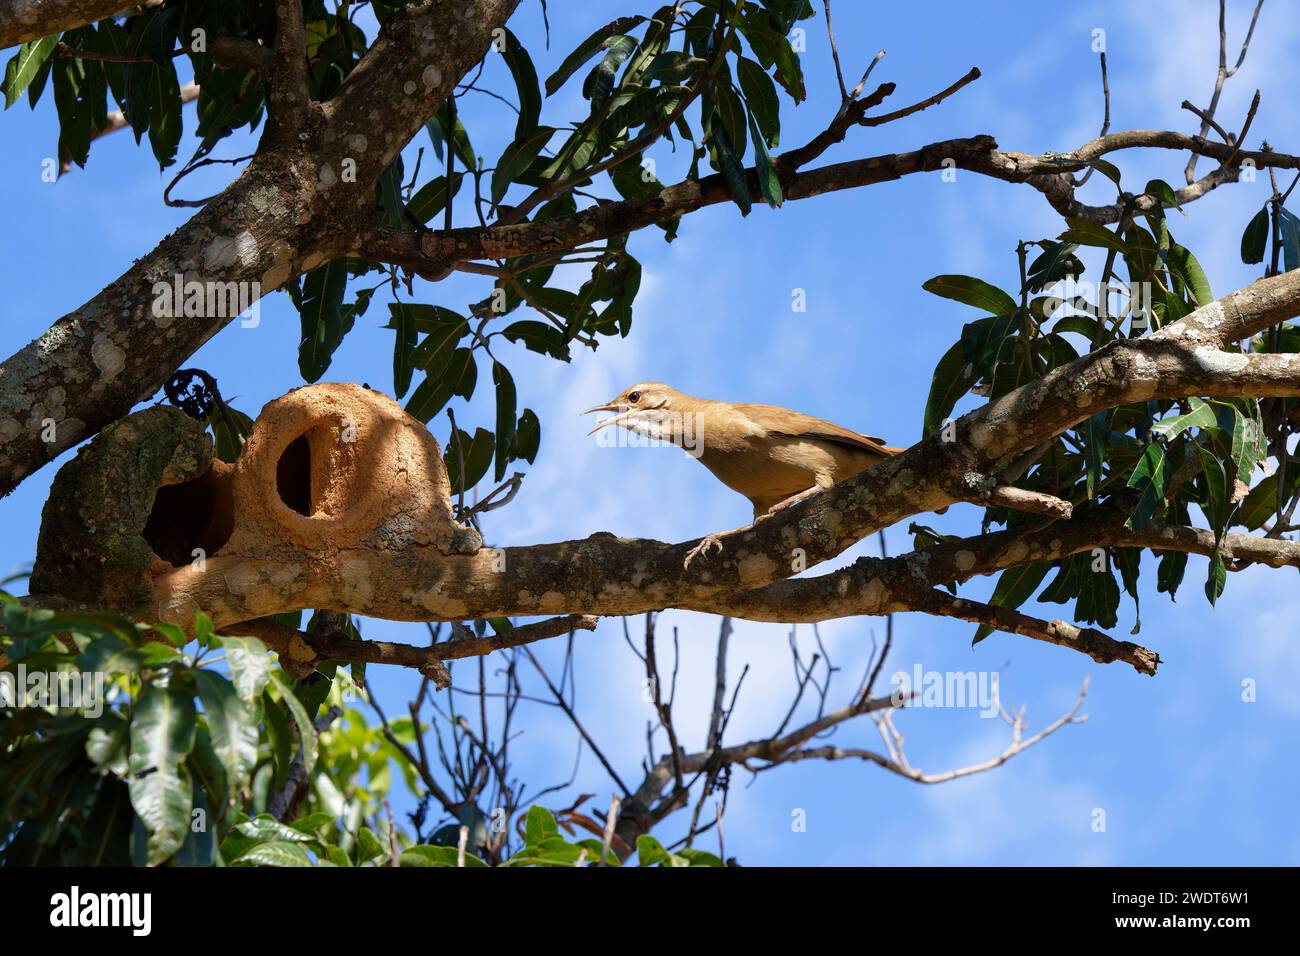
(608, 407)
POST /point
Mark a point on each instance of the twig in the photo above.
(835, 53)
(1223, 74)
(1105, 122)
(611, 821)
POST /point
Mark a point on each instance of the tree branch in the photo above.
(23, 20)
(435, 251)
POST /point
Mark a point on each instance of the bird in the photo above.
(773, 456)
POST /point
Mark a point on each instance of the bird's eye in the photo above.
(634, 397)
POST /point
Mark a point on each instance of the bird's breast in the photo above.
(778, 467)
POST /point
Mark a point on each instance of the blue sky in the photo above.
(1185, 771)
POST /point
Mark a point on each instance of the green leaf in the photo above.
(674, 66)
(106, 744)
(1150, 478)
(760, 96)
(731, 112)
(506, 404)
(390, 195)
(1099, 596)
(162, 734)
(275, 854)
(1255, 239)
(1248, 445)
(227, 444)
(577, 151)
(971, 291)
(517, 157)
(313, 823)
(280, 738)
(1261, 504)
(772, 48)
(1218, 505)
(1089, 233)
(231, 724)
(540, 337)
(1057, 261)
(631, 110)
(306, 730)
(164, 114)
(1290, 229)
(699, 857)
(1217, 579)
(587, 49)
(768, 181)
(1185, 264)
(324, 324)
(521, 69)
(431, 198)
(539, 825)
(74, 112)
(650, 852)
(733, 172)
(444, 334)
(403, 348)
(460, 143)
(1015, 586)
(1096, 434)
(458, 377)
(425, 855)
(476, 453)
(1128, 560)
(951, 381)
(1107, 169)
(1162, 191)
(266, 828)
(1200, 416)
(1169, 574)
(368, 846)
(528, 436)
(250, 668)
(600, 81)
(23, 67)
(37, 86)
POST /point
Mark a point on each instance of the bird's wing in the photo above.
(783, 421)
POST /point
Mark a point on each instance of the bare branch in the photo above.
(1224, 73)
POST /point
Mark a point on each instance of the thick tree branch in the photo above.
(23, 20)
(288, 99)
(242, 52)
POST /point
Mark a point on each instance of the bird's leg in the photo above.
(792, 500)
(714, 541)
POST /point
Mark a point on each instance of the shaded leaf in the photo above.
(971, 291)
(1255, 238)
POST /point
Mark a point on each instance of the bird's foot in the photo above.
(702, 549)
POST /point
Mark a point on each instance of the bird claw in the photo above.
(702, 549)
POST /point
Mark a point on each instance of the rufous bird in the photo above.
(773, 456)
